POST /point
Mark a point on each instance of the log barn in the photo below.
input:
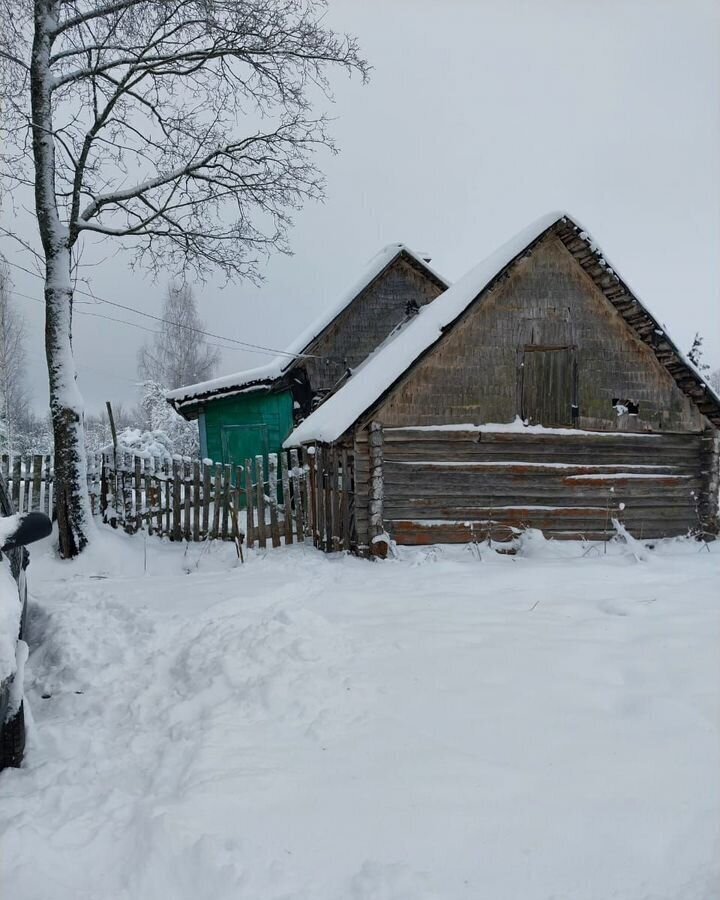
(536, 392)
(250, 413)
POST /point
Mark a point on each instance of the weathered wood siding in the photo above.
(475, 373)
(456, 486)
(367, 321)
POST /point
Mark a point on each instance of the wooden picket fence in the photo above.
(270, 501)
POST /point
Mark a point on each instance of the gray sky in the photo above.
(481, 115)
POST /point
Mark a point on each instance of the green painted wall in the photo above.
(241, 427)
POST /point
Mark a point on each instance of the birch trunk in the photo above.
(71, 497)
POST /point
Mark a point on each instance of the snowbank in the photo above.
(448, 724)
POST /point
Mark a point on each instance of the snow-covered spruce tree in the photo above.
(183, 127)
(160, 418)
(178, 354)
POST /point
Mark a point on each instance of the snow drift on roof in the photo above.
(263, 375)
(385, 366)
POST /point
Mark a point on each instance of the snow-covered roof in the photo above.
(264, 377)
(383, 368)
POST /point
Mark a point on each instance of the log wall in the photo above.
(446, 486)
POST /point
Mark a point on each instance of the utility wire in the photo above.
(258, 348)
(85, 312)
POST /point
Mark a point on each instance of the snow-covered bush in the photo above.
(159, 416)
(144, 443)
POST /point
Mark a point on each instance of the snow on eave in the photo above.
(264, 377)
(381, 370)
(259, 378)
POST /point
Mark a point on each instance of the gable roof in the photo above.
(265, 378)
(379, 373)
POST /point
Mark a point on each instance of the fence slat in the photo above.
(217, 501)
(138, 474)
(249, 501)
(260, 490)
(237, 495)
(227, 487)
(37, 481)
(320, 499)
(157, 492)
(287, 501)
(297, 494)
(272, 494)
(186, 476)
(328, 485)
(206, 500)
(176, 501)
(26, 485)
(16, 464)
(196, 501)
(345, 511)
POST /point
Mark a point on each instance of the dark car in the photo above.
(24, 529)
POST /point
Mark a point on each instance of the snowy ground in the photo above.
(325, 728)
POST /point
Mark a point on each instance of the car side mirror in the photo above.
(32, 526)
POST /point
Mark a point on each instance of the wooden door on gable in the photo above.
(548, 379)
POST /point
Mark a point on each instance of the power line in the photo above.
(85, 312)
(257, 348)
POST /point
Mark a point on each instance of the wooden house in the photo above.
(252, 412)
(538, 391)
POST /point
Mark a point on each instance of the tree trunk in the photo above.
(71, 496)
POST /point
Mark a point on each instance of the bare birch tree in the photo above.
(13, 391)
(178, 354)
(182, 127)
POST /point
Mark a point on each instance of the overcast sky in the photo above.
(480, 116)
